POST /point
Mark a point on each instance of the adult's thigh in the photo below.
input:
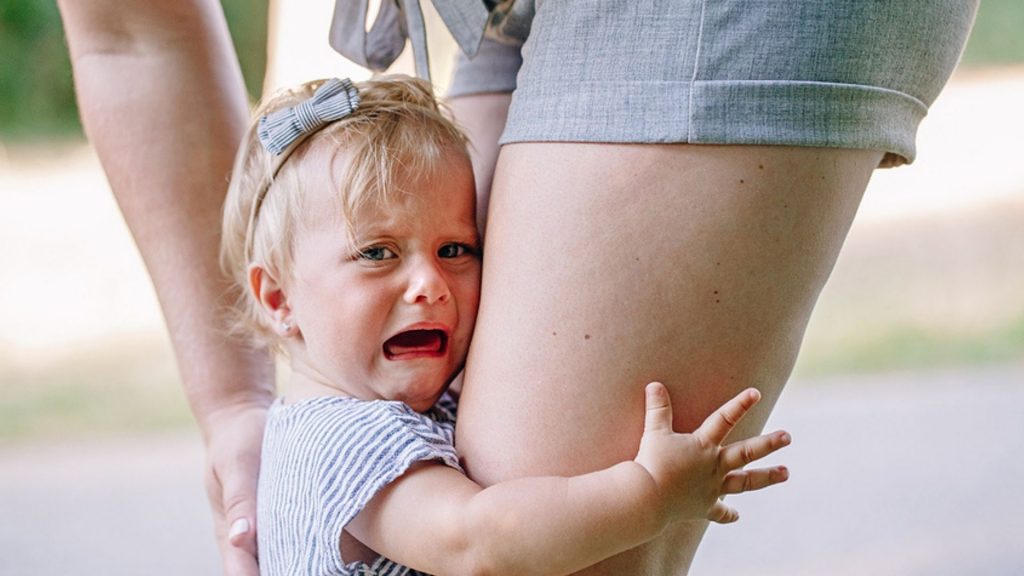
(482, 119)
(608, 266)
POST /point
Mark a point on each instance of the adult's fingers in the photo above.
(240, 509)
(722, 514)
(658, 416)
(235, 437)
(739, 454)
(236, 537)
(238, 562)
(717, 426)
(241, 534)
(747, 480)
(231, 488)
(239, 498)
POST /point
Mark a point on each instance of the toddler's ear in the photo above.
(270, 295)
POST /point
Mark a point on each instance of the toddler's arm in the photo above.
(437, 520)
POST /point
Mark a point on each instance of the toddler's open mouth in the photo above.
(416, 344)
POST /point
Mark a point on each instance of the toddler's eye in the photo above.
(454, 250)
(377, 253)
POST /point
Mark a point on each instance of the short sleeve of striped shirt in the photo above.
(323, 460)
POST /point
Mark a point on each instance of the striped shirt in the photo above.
(323, 460)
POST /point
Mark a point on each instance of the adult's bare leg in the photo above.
(608, 266)
(162, 100)
(482, 117)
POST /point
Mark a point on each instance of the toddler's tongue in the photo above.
(426, 342)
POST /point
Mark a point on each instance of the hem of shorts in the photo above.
(782, 113)
(459, 88)
(494, 70)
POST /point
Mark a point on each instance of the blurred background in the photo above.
(905, 405)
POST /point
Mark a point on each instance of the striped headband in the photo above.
(284, 130)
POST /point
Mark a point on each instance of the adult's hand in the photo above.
(234, 440)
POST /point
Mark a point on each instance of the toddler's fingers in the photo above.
(717, 426)
(739, 454)
(658, 416)
(747, 480)
(722, 514)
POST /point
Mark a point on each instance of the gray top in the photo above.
(467, 20)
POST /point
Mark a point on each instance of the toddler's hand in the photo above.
(691, 471)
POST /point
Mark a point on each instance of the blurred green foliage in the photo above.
(247, 20)
(36, 93)
(905, 346)
(37, 98)
(998, 35)
(112, 388)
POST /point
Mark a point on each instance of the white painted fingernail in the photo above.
(241, 526)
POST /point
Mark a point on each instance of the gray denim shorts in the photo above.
(838, 73)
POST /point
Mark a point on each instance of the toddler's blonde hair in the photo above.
(398, 128)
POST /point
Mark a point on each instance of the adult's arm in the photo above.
(163, 102)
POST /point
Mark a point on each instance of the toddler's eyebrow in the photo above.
(473, 240)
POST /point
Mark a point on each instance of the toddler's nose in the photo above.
(427, 284)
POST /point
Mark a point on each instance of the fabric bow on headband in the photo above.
(333, 100)
(283, 130)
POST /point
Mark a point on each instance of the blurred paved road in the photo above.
(903, 475)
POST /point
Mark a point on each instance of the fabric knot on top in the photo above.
(333, 100)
